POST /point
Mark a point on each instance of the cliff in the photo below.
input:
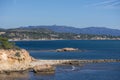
(14, 60)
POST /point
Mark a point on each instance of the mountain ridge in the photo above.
(87, 30)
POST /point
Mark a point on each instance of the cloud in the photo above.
(106, 4)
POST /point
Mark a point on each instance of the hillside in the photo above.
(40, 33)
(89, 30)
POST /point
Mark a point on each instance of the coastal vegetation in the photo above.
(47, 34)
(5, 44)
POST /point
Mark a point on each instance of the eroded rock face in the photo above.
(14, 60)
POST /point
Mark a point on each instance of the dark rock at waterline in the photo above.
(44, 69)
(67, 49)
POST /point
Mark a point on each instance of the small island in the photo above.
(67, 49)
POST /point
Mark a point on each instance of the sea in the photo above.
(89, 49)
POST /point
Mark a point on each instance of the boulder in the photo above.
(44, 69)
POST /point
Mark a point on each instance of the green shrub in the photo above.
(5, 44)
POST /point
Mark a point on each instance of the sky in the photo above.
(77, 13)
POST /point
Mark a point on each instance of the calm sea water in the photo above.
(93, 49)
(101, 71)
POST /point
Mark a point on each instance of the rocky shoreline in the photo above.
(20, 60)
(71, 62)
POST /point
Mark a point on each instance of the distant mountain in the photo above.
(89, 30)
(100, 30)
(27, 29)
(1, 29)
(53, 28)
(59, 33)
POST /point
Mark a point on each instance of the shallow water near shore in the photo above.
(98, 71)
(92, 49)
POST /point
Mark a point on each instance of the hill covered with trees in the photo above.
(36, 33)
(70, 29)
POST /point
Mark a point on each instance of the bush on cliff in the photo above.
(5, 44)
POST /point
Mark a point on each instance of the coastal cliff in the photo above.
(14, 60)
(17, 60)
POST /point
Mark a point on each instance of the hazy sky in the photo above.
(78, 13)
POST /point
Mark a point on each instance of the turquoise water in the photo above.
(92, 49)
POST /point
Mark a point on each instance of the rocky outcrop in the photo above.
(67, 49)
(44, 69)
(72, 62)
(19, 60)
(14, 60)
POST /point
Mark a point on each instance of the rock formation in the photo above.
(14, 60)
(67, 49)
(44, 68)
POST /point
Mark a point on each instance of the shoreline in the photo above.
(71, 61)
(48, 66)
(69, 39)
(20, 60)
